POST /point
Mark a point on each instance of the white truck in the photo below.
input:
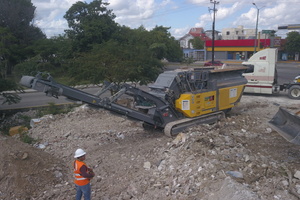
(263, 78)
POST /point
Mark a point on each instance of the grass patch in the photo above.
(4, 130)
(26, 120)
(24, 137)
(53, 109)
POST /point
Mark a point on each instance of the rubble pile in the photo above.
(239, 157)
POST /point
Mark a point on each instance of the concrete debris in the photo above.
(235, 174)
(237, 158)
(297, 175)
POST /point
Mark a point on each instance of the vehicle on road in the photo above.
(264, 79)
(215, 63)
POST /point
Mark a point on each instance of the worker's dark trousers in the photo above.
(85, 190)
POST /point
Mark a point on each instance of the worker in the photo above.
(83, 175)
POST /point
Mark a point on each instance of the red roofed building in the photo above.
(199, 32)
(193, 33)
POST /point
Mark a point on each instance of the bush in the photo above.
(54, 109)
(24, 137)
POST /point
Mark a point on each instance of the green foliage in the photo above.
(130, 55)
(90, 24)
(8, 51)
(10, 98)
(17, 32)
(53, 109)
(188, 61)
(293, 42)
(170, 48)
(6, 86)
(94, 49)
(197, 43)
(51, 55)
(24, 137)
(26, 120)
(127, 57)
(17, 16)
(4, 130)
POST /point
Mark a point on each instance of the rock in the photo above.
(247, 158)
(235, 174)
(285, 182)
(180, 138)
(24, 156)
(41, 146)
(161, 165)
(268, 130)
(297, 175)
(233, 191)
(67, 134)
(147, 165)
(58, 174)
(33, 122)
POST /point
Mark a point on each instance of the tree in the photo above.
(125, 58)
(6, 45)
(130, 55)
(16, 17)
(17, 33)
(50, 55)
(164, 45)
(6, 85)
(90, 24)
(7, 49)
(197, 43)
(293, 42)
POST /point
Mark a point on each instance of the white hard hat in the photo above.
(79, 153)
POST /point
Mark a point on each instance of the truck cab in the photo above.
(263, 79)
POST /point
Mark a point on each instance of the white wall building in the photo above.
(239, 33)
(185, 41)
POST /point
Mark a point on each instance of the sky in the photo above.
(179, 15)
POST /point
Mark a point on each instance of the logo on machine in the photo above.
(263, 58)
(210, 98)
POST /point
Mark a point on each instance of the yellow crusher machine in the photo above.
(177, 100)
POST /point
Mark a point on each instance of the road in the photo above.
(32, 99)
(286, 73)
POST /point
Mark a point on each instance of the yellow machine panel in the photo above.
(229, 96)
(193, 105)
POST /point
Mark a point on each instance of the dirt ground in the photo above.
(239, 158)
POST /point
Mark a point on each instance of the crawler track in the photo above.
(173, 128)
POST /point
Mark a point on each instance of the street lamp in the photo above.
(255, 41)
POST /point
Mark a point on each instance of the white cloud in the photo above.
(132, 12)
(179, 32)
(49, 15)
(169, 13)
(269, 17)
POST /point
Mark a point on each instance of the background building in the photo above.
(233, 44)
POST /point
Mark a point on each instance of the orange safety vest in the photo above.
(79, 180)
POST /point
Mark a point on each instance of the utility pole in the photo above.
(213, 29)
(255, 41)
